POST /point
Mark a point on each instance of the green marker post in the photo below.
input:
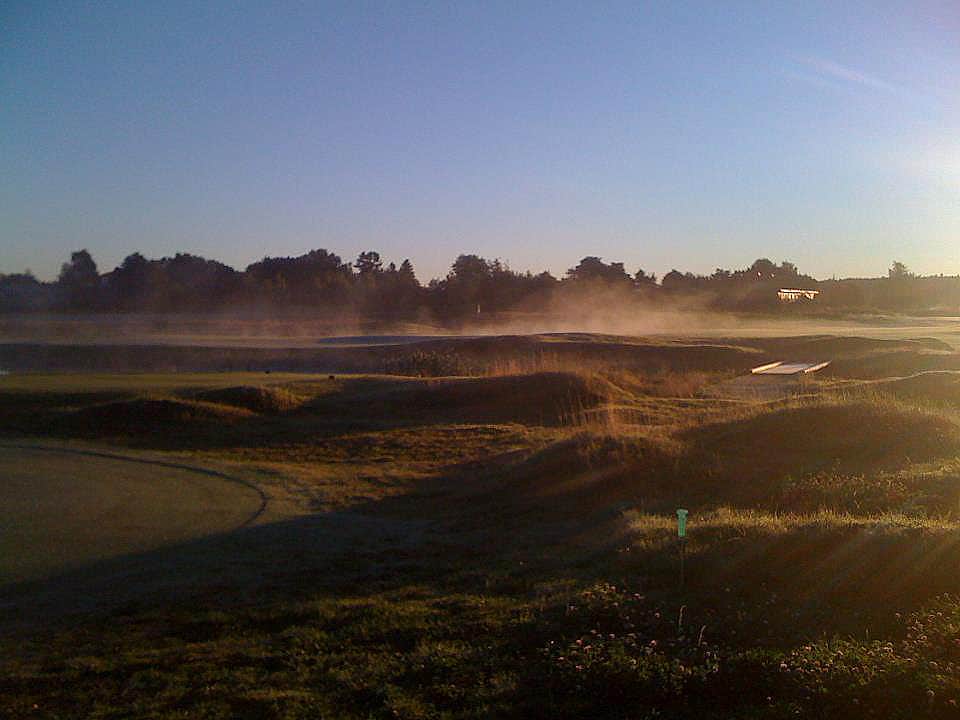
(682, 537)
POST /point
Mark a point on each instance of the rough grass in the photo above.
(820, 452)
(505, 546)
(817, 453)
(147, 415)
(257, 399)
(537, 398)
(853, 565)
(927, 388)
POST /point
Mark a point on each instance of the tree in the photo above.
(79, 281)
(673, 280)
(469, 268)
(368, 263)
(318, 278)
(592, 268)
(899, 271)
(466, 287)
(763, 269)
(22, 292)
(407, 275)
(193, 282)
(641, 278)
(788, 269)
(130, 282)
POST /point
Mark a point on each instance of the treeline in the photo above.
(369, 289)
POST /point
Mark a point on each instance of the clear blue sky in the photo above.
(692, 135)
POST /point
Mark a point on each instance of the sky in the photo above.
(687, 135)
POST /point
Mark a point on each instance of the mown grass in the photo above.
(820, 570)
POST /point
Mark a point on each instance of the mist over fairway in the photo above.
(219, 330)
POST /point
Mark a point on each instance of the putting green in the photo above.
(61, 509)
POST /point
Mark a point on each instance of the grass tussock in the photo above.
(626, 381)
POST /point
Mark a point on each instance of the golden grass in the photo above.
(740, 522)
(624, 380)
(868, 454)
(865, 565)
(257, 399)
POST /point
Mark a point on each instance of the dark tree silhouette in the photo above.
(475, 286)
(643, 279)
(369, 263)
(79, 282)
(593, 269)
(899, 271)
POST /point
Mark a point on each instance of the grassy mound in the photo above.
(825, 347)
(898, 363)
(594, 473)
(855, 456)
(863, 358)
(877, 564)
(147, 415)
(516, 354)
(540, 398)
(857, 435)
(545, 397)
(250, 397)
(934, 388)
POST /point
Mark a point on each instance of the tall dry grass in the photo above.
(657, 381)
